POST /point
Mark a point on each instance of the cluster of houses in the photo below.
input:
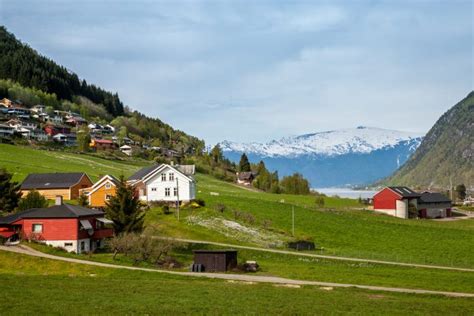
(403, 202)
(61, 127)
(80, 229)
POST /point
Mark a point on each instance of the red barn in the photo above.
(401, 201)
(74, 228)
(396, 201)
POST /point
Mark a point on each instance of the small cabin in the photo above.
(215, 260)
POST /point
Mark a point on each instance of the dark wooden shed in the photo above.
(216, 260)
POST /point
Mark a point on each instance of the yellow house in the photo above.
(51, 185)
(102, 191)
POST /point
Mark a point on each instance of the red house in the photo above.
(401, 201)
(74, 228)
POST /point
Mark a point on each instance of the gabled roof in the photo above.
(52, 180)
(405, 192)
(56, 211)
(142, 173)
(433, 197)
(247, 175)
(146, 173)
(103, 180)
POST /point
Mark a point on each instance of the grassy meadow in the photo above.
(341, 227)
(53, 287)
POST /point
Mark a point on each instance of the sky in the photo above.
(261, 70)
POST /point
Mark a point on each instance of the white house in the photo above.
(165, 183)
(127, 150)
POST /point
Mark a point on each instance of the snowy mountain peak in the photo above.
(361, 139)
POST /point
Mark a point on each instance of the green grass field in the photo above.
(341, 227)
(43, 286)
(22, 160)
(312, 269)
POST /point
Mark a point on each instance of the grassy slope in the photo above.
(340, 231)
(51, 287)
(303, 268)
(22, 160)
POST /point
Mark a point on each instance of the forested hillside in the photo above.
(21, 63)
(446, 154)
(33, 79)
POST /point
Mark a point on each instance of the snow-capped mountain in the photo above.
(333, 158)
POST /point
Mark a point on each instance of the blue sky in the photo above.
(259, 70)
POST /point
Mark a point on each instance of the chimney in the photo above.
(59, 200)
(172, 162)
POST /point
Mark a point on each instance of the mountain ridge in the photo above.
(352, 156)
(445, 157)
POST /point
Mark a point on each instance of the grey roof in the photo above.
(405, 192)
(247, 175)
(432, 197)
(56, 211)
(140, 174)
(51, 180)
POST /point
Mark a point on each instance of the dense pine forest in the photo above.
(21, 63)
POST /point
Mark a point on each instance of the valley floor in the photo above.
(53, 287)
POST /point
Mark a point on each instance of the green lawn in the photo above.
(44, 286)
(341, 227)
(343, 230)
(22, 160)
(313, 269)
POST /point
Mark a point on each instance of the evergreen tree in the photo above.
(216, 154)
(9, 192)
(83, 139)
(125, 209)
(32, 200)
(244, 164)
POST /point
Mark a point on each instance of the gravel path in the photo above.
(305, 254)
(235, 277)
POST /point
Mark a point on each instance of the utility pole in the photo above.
(177, 197)
(293, 221)
(451, 187)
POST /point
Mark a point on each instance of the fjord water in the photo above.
(346, 192)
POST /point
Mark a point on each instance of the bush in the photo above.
(32, 200)
(220, 207)
(200, 202)
(142, 247)
(320, 201)
(166, 209)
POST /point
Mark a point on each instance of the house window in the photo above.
(175, 191)
(163, 177)
(167, 192)
(37, 228)
(108, 197)
(68, 244)
(108, 185)
(171, 176)
(83, 246)
(153, 189)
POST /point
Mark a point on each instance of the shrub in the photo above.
(166, 209)
(32, 200)
(220, 207)
(200, 202)
(320, 201)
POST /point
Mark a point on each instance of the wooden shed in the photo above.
(216, 260)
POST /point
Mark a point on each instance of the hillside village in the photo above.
(62, 128)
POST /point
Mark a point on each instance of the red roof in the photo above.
(103, 141)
